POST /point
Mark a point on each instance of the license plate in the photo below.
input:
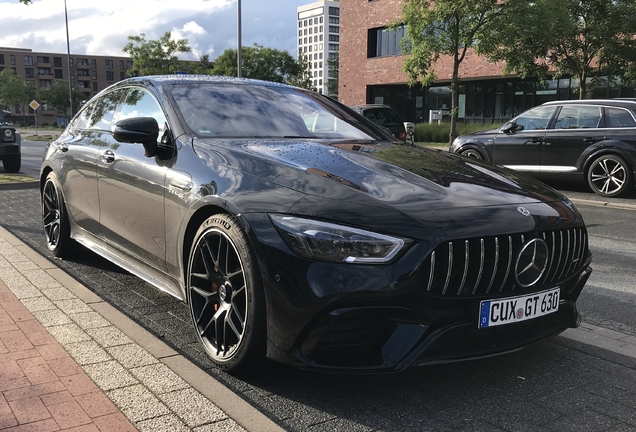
(516, 309)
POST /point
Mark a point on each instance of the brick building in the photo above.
(371, 72)
(89, 72)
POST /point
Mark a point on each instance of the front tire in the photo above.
(57, 229)
(12, 164)
(225, 295)
(472, 153)
(610, 176)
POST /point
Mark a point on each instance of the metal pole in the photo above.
(68, 51)
(240, 43)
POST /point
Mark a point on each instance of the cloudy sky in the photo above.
(101, 27)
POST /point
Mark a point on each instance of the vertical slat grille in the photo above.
(479, 266)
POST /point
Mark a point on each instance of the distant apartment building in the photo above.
(89, 73)
(319, 38)
(371, 71)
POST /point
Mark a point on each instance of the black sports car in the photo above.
(298, 231)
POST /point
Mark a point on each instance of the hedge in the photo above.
(433, 132)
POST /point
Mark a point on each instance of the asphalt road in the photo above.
(555, 385)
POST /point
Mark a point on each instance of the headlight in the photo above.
(8, 133)
(335, 243)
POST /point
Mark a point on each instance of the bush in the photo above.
(433, 132)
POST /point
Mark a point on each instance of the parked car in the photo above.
(383, 115)
(338, 248)
(587, 140)
(9, 144)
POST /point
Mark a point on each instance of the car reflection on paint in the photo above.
(298, 231)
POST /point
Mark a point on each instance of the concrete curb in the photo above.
(21, 185)
(155, 387)
(603, 204)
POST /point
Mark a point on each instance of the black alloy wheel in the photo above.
(610, 176)
(472, 153)
(55, 219)
(225, 295)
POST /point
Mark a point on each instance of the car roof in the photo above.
(625, 103)
(162, 80)
(370, 106)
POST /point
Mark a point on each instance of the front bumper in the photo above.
(356, 318)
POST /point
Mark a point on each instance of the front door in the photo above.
(520, 149)
(131, 188)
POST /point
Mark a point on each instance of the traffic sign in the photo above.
(34, 104)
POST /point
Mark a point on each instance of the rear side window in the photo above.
(578, 117)
(383, 116)
(618, 118)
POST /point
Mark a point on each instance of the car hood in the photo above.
(380, 174)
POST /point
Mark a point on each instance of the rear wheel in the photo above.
(610, 176)
(472, 153)
(225, 295)
(55, 219)
(12, 163)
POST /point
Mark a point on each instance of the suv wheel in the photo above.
(610, 176)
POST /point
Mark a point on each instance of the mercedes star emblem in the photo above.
(532, 262)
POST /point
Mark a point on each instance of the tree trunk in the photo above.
(582, 85)
(454, 100)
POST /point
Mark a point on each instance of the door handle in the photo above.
(589, 140)
(108, 156)
(63, 147)
(536, 140)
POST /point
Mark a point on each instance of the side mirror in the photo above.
(144, 130)
(7, 116)
(511, 126)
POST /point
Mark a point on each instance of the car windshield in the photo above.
(258, 111)
(386, 117)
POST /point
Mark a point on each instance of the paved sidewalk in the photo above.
(70, 361)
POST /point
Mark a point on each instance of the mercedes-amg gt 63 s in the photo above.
(299, 231)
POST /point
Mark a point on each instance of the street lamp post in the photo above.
(68, 50)
(240, 43)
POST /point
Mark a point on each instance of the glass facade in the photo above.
(488, 101)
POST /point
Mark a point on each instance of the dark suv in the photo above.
(383, 115)
(588, 140)
(9, 144)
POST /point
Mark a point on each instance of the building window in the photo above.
(316, 29)
(72, 73)
(129, 64)
(309, 48)
(334, 38)
(94, 86)
(334, 20)
(320, 38)
(320, 20)
(321, 29)
(82, 62)
(1, 58)
(320, 73)
(310, 31)
(57, 61)
(110, 75)
(29, 73)
(315, 82)
(28, 60)
(305, 40)
(300, 32)
(305, 32)
(82, 72)
(45, 83)
(43, 59)
(320, 45)
(12, 59)
(122, 75)
(59, 74)
(44, 71)
(334, 29)
(300, 23)
(71, 61)
(94, 63)
(384, 42)
(300, 41)
(334, 11)
(320, 82)
(305, 23)
(121, 65)
(94, 74)
(109, 65)
(311, 21)
(320, 56)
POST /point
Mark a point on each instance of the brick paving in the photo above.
(41, 387)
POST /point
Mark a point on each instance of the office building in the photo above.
(319, 38)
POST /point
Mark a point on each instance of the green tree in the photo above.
(303, 76)
(155, 57)
(57, 96)
(444, 27)
(14, 90)
(262, 63)
(333, 64)
(581, 38)
(203, 67)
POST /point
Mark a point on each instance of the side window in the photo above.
(618, 118)
(536, 118)
(578, 117)
(104, 110)
(140, 103)
(82, 119)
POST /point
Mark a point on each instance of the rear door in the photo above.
(575, 128)
(521, 149)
